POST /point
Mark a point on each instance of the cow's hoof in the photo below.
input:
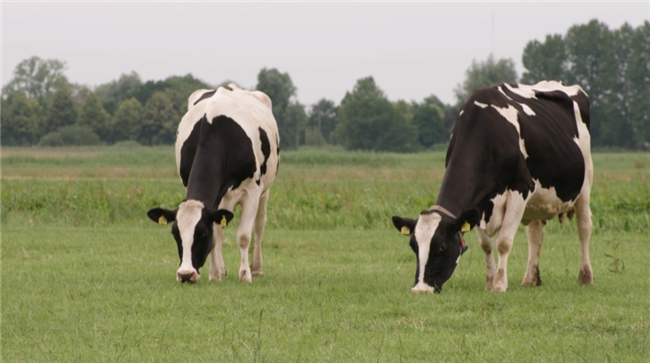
(245, 276)
(532, 279)
(257, 273)
(500, 288)
(215, 278)
(586, 277)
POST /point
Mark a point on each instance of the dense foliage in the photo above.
(611, 65)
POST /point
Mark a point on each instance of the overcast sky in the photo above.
(412, 50)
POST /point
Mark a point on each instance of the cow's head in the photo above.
(438, 244)
(193, 231)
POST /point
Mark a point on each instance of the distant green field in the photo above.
(86, 277)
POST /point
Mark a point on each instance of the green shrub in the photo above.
(70, 136)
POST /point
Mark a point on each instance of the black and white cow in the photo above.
(518, 153)
(227, 154)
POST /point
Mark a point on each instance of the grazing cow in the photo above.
(518, 153)
(227, 154)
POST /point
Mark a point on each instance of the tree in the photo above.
(323, 117)
(61, 111)
(545, 61)
(295, 120)
(589, 51)
(158, 121)
(37, 78)
(127, 122)
(430, 125)
(639, 77)
(485, 74)
(112, 94)
(280, 89)
(93, 115)
(20, 122)
(368, 121)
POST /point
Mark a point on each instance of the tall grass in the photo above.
(313, 190)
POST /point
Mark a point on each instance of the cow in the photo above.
(227, 154)
(518, 154)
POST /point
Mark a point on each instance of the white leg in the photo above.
(260, 222)
(487, 245)
(534, 231)
(514, 211)
(249, 210)
(217, 266)
(583, 217)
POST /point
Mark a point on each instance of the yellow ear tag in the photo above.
(162, 220)
(224, 222)
(405, 230)
(466, 227)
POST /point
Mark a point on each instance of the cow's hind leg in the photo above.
(244, 232)
(534, 231)
(217, 266)
(487, 245)
(260, 222)
(583, 217)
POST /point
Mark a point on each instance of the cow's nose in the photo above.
(185, 277)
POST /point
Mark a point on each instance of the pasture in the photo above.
(87, 277)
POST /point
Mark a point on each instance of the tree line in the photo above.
(40, 106)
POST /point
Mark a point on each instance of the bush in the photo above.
(127, 144)
(70, 136)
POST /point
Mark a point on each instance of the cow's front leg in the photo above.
(217, 266)
(260, 222)
(487, 246)
(244, 232)
(514, 212)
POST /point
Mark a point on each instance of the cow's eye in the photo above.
(441, 248)
(204, 235)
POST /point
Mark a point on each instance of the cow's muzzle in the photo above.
(187, 276)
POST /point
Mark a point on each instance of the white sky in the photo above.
(412, 50)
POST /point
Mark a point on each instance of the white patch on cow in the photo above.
(424, 230)
(527, 110)
(511, 115)
(195, 97)
(502, 92)
(461, 112)
(492, 226)
(528, 91)
(522, 90)
(545, 204)
(481, 105)
(187, 217)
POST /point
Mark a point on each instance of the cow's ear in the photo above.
(222, 217)
(162, 216)
(404, 225)
(468, 220)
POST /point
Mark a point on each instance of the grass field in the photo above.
(86, 277)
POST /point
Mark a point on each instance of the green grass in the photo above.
(86, 277)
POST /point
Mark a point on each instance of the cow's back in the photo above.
(250, 111)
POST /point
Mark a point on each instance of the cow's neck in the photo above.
(463, 189)
(207, 182)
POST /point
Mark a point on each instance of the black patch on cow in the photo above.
(188, 151)
(204, 96)
(224, 158)
(266, 149)
(227, 87)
